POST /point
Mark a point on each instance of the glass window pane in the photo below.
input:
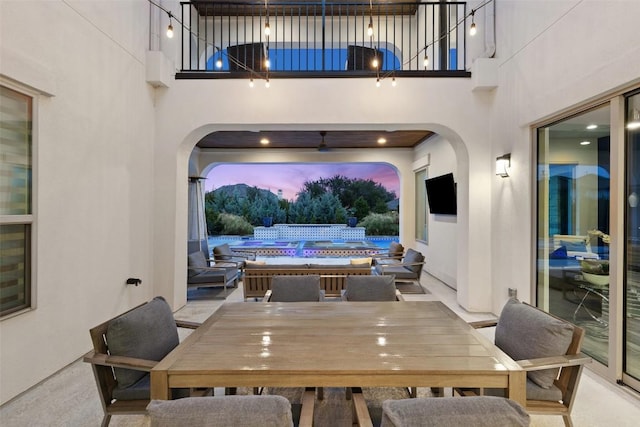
(573, 224)
(632, 269)
(421, 206)
(15, 146)
(15, 254)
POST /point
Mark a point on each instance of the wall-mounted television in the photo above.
(441, 195)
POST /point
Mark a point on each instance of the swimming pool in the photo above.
(306, 248)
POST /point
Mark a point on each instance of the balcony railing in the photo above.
(322, 39)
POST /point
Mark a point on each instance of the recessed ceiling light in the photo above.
(264, 141)
(585, 143)
(382, 141)
(592, 127)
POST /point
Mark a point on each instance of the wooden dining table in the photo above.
(337, 344)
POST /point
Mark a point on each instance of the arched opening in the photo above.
(405, 161)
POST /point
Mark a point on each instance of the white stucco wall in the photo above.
(329, 104)
(93, 178)
(112, 153)
(552, 58)
(441, 248)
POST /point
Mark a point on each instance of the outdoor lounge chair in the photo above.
(202, 273)
(125, 349)
(409, 269)
(542, 344)
(225, 253)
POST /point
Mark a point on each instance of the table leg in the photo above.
(159, 385)
(517, 390)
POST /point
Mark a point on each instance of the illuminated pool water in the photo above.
(306, 248)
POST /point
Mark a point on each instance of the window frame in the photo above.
(420, 197)
(27, 219)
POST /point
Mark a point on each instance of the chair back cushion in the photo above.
(295, 288)
(396, 250)
(222, 411)
(413, 257)
(370, 288)
(148, 332)
(197, 263)
(223, 249)
(478, 411)
(524, 332)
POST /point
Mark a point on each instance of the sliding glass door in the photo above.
(573, 176)
(632, 240)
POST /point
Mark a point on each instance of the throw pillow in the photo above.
(560, 253)
(360, 261)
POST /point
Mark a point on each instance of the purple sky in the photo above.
(289, 177)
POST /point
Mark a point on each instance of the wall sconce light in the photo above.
(503, 164)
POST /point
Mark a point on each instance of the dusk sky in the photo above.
(289, 177)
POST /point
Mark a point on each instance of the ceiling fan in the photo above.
(323, 145)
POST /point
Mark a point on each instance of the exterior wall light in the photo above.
(503, 164)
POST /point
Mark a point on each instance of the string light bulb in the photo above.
(393, 81)
(267, 84)
(378, 82)
(375, 63)
(251, 83)
(267, 29)
(425, 62)
(219, 63)
(170, 28)
(370, 27)
(473, 30)
(267, 63)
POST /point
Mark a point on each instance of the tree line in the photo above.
(236, 209)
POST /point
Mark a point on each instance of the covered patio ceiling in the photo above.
(305, 7)
(313, 139)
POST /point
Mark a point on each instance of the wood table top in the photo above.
(335, 338)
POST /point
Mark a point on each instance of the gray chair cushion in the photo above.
(413, 257)
(396, 250)
(524, 332)
(222, 411)
(480, 411)
(141, 390)
(534, 392)
(213, 276)
(295, 288)
(195, 261)
(369, 288)
(222, 250)
(147, 332)
(398, 271)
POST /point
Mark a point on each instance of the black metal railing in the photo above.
(322, 38)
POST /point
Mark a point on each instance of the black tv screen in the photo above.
(441, 195)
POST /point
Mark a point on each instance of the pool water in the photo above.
(306, 248)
